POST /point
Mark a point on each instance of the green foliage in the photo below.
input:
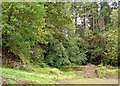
(22, 23)
(58, 15)
(95, 48)
(105, 12)
(111, 54)
(59, 23)
(57, 56)
(43, 76)
(103, 70)
(45, 34)
(75, 51)
(114, 18)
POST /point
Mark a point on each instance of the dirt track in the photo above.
(87, 81)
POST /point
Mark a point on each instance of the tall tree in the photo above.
(22, 23)
(105, 13)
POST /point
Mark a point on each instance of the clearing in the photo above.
(49, 76)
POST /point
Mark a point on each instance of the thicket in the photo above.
(46, 34)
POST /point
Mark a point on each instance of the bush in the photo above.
(95, 48)
(111, 48)
(75, 51)
(62, 54)
(57, 56)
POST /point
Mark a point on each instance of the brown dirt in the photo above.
(89, 71)
(4, 80)
(108, 76)
(87, 81)
(17, 81)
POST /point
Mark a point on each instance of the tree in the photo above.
(57, 56)
(105, 13)
(75, 51)
(22, 27)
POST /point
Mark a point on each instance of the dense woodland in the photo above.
(46, 34)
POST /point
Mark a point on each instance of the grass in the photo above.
(48, 75)
(103, 70)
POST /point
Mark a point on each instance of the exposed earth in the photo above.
(88, 81)
(71, 81)
(91, 76)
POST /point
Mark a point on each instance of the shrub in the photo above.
(57, 56)
(111, 48)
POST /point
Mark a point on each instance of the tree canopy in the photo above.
(48, 33)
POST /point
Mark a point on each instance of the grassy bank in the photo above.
(48, 76)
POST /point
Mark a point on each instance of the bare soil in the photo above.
(87, 81)
(17, 81)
